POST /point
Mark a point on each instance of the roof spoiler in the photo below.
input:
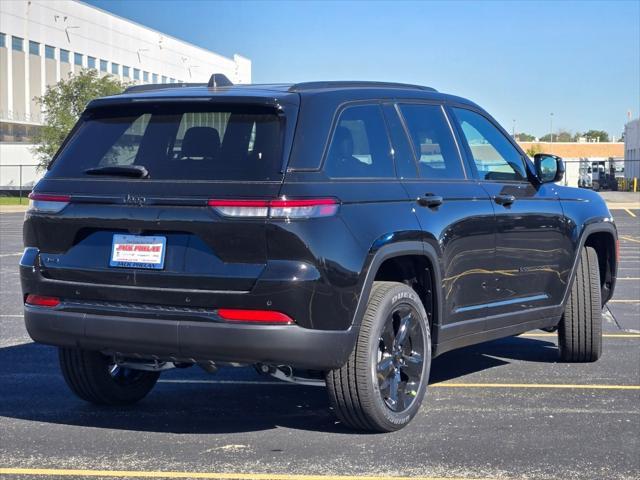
(216, 80)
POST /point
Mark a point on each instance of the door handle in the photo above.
(430, 200)
(504, 200)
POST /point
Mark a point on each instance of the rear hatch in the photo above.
(136, 180)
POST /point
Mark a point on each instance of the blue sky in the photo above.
(519, 60)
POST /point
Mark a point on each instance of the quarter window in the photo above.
(360, 145)
(432, 141)
(494, 156)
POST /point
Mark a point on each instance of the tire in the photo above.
(392, 353)
(94, 377)
(580, 329)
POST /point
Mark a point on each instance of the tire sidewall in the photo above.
(394, 298)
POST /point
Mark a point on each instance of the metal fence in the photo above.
(18, 180)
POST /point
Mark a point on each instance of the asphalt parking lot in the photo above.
(504, 409)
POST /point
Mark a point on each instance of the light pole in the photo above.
(551, 129)
(513, 129)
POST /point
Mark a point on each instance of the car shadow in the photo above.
(232, 401)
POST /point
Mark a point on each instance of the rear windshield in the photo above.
(186, 142)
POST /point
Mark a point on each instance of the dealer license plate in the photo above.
(135, 251)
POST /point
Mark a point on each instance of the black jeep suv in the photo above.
(338, 232)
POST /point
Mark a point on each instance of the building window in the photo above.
(3, 40)
(77, 58)
(155, 78)
(125, 71)
(49, 52)
(17, 44)
(64, 56)
(164, 79)
(104, 66)
(115, 68)
(34, 48)
(91, 62)
(136, 74)
(145, 76)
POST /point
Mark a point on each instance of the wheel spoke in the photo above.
(394, 390)
(412, 367)
(403, 329)
(385, 368)
(387, 338)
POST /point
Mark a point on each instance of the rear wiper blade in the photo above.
(133, 171)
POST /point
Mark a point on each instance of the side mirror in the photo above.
(549, 168)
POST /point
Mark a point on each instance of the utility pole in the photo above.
(551, 129)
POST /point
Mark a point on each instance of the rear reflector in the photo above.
(40, 301)
(44, 203)
(254, 316)
(281, 208)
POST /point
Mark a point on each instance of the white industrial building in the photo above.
(632, 149)
(44, 41)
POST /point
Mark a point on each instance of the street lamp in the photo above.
(551, 130)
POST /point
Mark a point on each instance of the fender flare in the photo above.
(400, 249)
(599, 227)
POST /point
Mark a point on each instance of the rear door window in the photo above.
(178, 143)
(360, 145)
(432, 141)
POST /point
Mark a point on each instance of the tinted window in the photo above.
(182, 143)
(77, 59)
(432, 140)
(34, 48)
(494, 156)
(103, 65)
(91, 62)
(50, 52)
(360, 145)
(17, 44)
(64, 56)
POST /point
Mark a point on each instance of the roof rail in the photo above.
(355, 84)
(160, 86)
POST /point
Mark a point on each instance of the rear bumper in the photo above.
(177, 339)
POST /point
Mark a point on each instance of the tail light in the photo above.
(44, 203)
(42, 301)
(254, 316)
(281, 208)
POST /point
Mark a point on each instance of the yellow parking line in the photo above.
(217, 476)
(629, 212)
(624, 237)
(537, 385)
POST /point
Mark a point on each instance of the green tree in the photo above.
(599, 135)
(559, 136)
(63, 103)
(533, 149)
(524, 137)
